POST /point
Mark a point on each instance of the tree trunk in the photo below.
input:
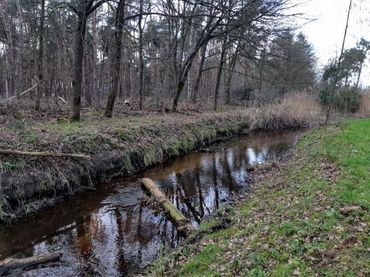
(117, 59)
(141, 58)
(219, 72)
(183, 77)
(78, 67)
(199, 74)
(179, 88)
(182, 223)
(28, 263)
(40, 90)
(9, 55)
(229, 78)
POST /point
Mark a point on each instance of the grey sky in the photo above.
(326, 32)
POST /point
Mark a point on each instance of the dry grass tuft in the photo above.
(365, 104)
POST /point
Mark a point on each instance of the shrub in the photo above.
(344, 99)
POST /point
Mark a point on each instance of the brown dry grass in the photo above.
(365, 104)
(300, 105)
(296, 109)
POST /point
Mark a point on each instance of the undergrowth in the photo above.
(311, 218)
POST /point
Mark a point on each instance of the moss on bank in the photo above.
(118, 146)
(310, 218)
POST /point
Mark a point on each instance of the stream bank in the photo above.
(307, 217)
(117, 230)
(118, 146)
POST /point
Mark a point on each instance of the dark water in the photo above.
(112, 232)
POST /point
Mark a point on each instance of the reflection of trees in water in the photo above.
(134, 234)
(120, 240)
(187, 199)
(227, 178)
(84, 243)
(215, 186)
(137, 237)
(200, 192)
(196, 192)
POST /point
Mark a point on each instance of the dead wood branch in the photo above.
(182, 223)
(44, 154)
(28, 263)
(21, 94)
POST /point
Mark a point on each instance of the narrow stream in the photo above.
(113, 232)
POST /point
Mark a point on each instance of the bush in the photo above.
(344, 99)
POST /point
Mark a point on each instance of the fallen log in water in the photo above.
(183, 224)
(28, 263)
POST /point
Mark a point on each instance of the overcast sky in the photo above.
(326, 32)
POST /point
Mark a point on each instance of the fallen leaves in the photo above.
(350, 209)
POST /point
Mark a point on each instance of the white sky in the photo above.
(326, 32)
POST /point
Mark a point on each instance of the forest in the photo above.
(181, 138)
(152, 55)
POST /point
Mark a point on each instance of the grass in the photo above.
(295, 223)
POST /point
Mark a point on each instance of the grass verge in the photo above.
(309, 218)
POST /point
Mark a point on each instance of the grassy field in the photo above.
(309, 218)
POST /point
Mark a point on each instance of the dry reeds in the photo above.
(300, 105)
(295, 110)
(365, 104)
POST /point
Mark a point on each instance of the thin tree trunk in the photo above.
(199, 74)
(18, 60)
(141, 58)
(229, 78)
(41, 86)
(182, 79)
(219, 72)
(117, 59)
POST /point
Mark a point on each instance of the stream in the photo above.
(113, 232)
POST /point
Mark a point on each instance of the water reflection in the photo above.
(111, 232)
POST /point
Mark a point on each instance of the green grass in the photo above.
(199, 265)
(293, 224)
(31, 138)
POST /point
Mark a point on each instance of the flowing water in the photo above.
(113, 232)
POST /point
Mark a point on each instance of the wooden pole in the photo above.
(182, 223)
(28, 263)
